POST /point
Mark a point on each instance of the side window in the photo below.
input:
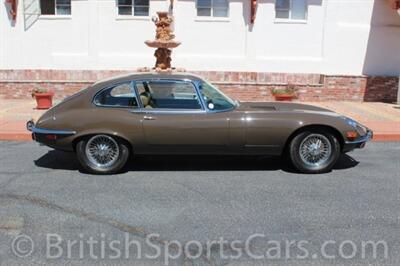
(121, 95)
(55, 7)
(291, 9)
(133, 7)
(215, 99)
(212, 8)
(168, 95)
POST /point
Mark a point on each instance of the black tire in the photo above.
(300, 163)
(84, 158)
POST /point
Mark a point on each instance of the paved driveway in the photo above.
(211, 210)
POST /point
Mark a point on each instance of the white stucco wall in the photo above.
(340, 37)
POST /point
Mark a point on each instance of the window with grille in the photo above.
(212, 8)
(133, 7)
(291, 9)
(55, 7)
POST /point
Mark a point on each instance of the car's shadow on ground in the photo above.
(67, 161)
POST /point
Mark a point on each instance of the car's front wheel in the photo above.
(102, 154)
(314, 151)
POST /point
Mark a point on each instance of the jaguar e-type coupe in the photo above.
(180, 113)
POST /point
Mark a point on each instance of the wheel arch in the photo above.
(331, 129)
(89, 135)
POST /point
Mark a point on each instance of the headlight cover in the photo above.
(361, 130)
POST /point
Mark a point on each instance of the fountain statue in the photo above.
(164, 41)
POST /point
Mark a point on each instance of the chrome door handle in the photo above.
(147, 117)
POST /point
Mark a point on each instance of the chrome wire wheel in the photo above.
(102, 151)
(315, 150)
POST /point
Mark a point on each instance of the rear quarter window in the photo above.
(121, 95)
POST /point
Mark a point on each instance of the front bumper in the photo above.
(358, 143)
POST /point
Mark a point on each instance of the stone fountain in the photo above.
(164, 41)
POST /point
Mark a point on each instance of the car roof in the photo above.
(143, 76)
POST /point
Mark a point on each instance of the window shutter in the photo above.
(13, 8)
(253, 9)
(31, 12)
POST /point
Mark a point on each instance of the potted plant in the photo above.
(44, 98)
(284, 94)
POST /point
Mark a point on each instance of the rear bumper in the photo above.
(358, 143)
(50, 137)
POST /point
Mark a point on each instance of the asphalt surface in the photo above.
(171, 202)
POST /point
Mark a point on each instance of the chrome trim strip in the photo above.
(167, 111)
(194, 82)
(52, 131)
(363, 139)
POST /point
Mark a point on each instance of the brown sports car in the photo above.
(151, 113)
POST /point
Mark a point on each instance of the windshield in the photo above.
(214, 98)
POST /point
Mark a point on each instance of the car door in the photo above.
(175, 121)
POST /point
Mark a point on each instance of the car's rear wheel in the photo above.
(102, 154)
(314, 151)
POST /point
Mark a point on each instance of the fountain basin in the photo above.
(162, 44)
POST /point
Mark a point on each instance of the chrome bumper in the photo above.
(30, 126)
(367, 137)
(358, 143)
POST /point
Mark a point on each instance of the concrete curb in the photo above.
(386, 137)
(18, 136)
(26, 136)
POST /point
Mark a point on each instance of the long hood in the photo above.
(283, 107)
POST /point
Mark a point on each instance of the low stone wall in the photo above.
(244, 86)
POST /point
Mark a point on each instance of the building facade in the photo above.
(330, 49)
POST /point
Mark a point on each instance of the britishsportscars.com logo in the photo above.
(255, 246)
